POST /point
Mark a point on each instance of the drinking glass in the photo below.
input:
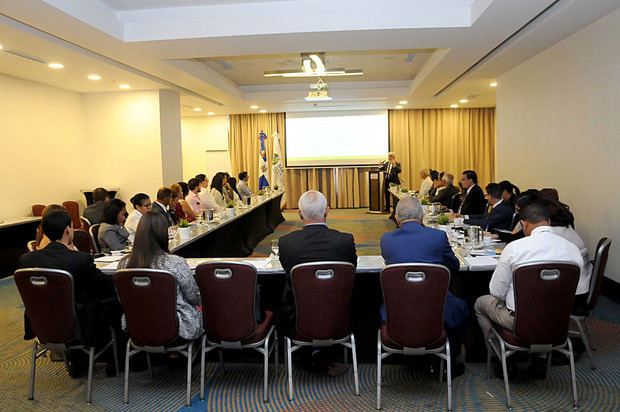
(275, 248)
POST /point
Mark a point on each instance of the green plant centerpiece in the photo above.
(404, 190)
(260, 193)
(443, 220)
(424, 201)
(183, 223)
(392, 184)
(275, 187)
(230, 204)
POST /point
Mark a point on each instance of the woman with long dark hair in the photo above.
(112, 233)
(150, 251)
(217, 189)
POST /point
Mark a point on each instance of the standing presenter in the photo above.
(391, 169)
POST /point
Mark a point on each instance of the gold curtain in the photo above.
(451, 140)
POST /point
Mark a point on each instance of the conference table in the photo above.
(14, 235)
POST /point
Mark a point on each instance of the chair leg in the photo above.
(505, 370)
(203, 360)
(346, 355)
(379, 370)
(572, 373)
(89, 383)
(586, 343)
(355, 373)
(148, 363)
(441, 365)
(276, 343)
(488, 360)
(589, 332)
(549, 356)
(127, 352)
(188, 397)
(114, 350)
(266, 371)
(33, 367)
(449, 375)
(289, 365)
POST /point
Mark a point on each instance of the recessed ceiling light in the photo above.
(463, 101)
(399, 107)
(94, 77)
(262, 111)
(254, 107)
(403, 102)
(211, 113)
(55, 66)
(454, 106)
(197, 109)
(493, 84)
(124, 86)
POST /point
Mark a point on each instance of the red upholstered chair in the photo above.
(49, 300)
(31, 245)
(85, 224)
(83, 241)
(94, 232)
(544, 294)
(149, 299)
(73, 209)
(228, 291)
(322, 302)
(414, 297)
(582, 313)
(37, 210)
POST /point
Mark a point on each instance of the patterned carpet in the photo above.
(238, 386)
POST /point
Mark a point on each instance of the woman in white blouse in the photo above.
(141, 203)
(217, 189)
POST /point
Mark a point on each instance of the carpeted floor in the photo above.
(238, 387)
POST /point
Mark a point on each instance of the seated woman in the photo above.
(218, 189)
(150, 250)
(176, 205)
(141, 203)
(41, 240)
(112, 232)
(232, 182)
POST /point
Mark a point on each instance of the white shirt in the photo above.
(542, 245)
(425, 188)
(207, 201)
(569, 234)
(218, 197)
(131, 224)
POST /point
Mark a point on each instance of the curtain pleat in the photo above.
(450, 140)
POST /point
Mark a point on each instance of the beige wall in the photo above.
(34, 168)
(124, 145)
(558, 125)
(205, 146)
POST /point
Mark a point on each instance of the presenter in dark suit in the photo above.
(474, 202)
(392, 170)
(164, 195)
(500, 216)
(95, 298)
(414, 243)
(315, 242)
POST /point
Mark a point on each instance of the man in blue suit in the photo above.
(414, 243)
(500, 216)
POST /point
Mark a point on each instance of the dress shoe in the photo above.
(511, 366)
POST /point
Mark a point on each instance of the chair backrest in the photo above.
(82, 241)
(414, 297)
(544, 294)
(94, 231)
(322, 299)
(227, 290)
(598, 271)
(73, 209)
(85, 223)
(31, 245)
(149, 300)
(455, 201)
(37, 210)
(49, 301)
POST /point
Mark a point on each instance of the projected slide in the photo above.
(336, 138)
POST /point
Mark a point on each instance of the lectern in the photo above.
(376, 197)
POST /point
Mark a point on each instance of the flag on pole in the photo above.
(277, 168)
(262, 163)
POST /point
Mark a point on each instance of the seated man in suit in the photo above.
(444, 196)
(500, 216)
(540, 244)
(164, 196)
(474, 202)
(314, 243)
(94, 212)
(414, 243)
(96, 304)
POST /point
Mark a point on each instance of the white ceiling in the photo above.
(181, 44)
